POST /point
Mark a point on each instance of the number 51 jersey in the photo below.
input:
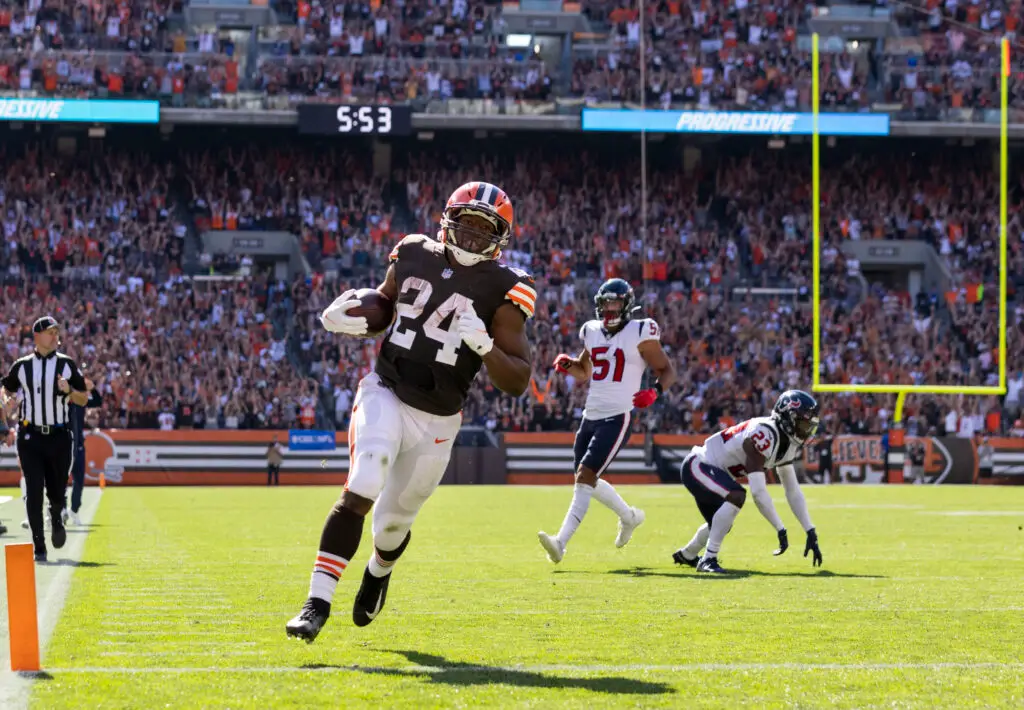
(618, 365)
(422, 358)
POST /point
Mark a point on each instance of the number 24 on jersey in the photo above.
(448, 337)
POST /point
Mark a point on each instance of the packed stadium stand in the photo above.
(109, 234)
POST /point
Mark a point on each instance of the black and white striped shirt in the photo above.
(35, 376)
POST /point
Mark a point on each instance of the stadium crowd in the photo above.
(742, 222)
(113, 227)
(98, 242)
(738, 55)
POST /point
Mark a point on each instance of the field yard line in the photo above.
(176, 610)
(15, 687)
(135, 644)
(177, 652)
(170, 632)
(5, 499)
(973, 513)
(568, 668)
(121, 621)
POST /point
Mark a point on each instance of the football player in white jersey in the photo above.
(747, 449)
(616, 352)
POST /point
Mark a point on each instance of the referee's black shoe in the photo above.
(3, 529)
(58, 534)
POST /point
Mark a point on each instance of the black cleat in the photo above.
(710, 564)
(680, 559)
(310, 621)
(40, 555)
(58, 535)
(370, 598)
(3, 529)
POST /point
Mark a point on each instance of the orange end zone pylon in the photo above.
(22, 619)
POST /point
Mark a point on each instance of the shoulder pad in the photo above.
(523, 295)
(520, 274)
(410, 240)
(649, 329)
(523, 291)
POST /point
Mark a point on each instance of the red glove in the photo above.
(645, 398)
(562, 363)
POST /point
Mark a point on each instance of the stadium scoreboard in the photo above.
(355, 119)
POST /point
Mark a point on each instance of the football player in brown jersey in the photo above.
(457, 308)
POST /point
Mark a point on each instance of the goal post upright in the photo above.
(896, 432)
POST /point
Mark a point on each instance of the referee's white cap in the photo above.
(44, 324)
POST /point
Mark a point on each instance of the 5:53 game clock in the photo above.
(355, 119)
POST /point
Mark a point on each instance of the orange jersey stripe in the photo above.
(526, 306)
(524, 291)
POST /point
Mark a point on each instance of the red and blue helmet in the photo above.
(614, 303)
(797, 414)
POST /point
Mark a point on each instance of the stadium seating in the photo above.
(751, 229)
(739, 221)
(743, 56)
(105, 231)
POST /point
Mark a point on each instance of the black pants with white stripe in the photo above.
(598, 440)
(45, 463)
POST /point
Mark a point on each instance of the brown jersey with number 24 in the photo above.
(423, 358)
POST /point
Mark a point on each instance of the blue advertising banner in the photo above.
(309, 440)
(79, 110)
(739, 122)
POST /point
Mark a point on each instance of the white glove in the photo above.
(473, 332)
(335, 320)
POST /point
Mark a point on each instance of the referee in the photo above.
(45, 442)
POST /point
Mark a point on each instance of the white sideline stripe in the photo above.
(5, 499)
(15, 688)
(170, 631)
(246, 622)
(571, 669)
(177, 608)
(154, 597)
(178, 652)
(135, 644)
(966, 513)
(873, 506)
(162, 591)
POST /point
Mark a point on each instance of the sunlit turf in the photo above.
(184, 603)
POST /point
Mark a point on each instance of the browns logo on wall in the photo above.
(861, 459)
(149, 457)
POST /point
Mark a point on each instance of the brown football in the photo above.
(377, 308)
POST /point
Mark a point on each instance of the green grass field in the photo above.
(185, 592)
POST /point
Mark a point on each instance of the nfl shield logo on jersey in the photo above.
(447, 274)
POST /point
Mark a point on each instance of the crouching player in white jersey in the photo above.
(747, 449)
(616, 352)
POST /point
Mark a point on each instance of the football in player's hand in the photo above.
(377, 308)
